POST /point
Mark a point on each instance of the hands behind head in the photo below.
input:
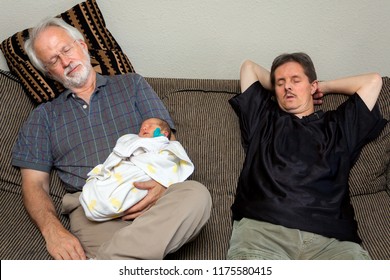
(319, 94)
(317, 98)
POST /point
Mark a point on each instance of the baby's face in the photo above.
(148, 127)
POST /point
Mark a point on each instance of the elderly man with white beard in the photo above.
(75, 132)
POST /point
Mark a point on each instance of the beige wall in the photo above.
(210, 38)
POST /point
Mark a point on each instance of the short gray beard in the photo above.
(80, 78)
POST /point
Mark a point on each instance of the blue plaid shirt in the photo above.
(73, 137)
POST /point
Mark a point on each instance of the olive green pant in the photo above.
(176, 218)
(258, 240)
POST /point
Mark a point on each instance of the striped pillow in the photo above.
(106, 55)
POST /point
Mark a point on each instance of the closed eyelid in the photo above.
(63, 50)
(280, 81)
(66, 48)
(66, 51)
(53, 59)
(294, 79)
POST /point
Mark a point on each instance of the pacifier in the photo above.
(157, 132)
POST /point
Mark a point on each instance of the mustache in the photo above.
(289, 93)
(71, 67)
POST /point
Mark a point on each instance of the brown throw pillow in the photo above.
(107, 56)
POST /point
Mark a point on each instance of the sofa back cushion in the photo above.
(15, 107)
(209, 131)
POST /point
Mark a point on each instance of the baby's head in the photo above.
(149, 126)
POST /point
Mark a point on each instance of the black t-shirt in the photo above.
(296, 170)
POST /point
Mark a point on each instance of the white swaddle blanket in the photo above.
(109, 189)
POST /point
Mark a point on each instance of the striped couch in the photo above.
(208, 129)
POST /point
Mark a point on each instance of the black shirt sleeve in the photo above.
(360, 125)
(249, 106)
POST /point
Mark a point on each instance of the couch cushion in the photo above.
(203, 117)
(106, 54)
(15, 107)
(20, 239)
(372, 215)
(388, 179)
(209, 131)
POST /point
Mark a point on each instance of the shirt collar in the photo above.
(101, 81)
(313, 116)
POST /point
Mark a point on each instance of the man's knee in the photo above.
(345, 250)
(194, 193)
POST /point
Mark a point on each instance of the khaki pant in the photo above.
(258, 240)
(176, 218)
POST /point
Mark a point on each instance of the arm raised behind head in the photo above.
(367, 86)
(251, 72)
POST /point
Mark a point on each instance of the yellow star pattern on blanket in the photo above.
(151, 168)
(109, 189)
(92, 205)
(115, 202)
(96, 170)
(118, 177)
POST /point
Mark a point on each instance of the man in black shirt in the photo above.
(292, 198)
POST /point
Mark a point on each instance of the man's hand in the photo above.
(155, 191)
(62, 245)
(319, 94)
(317, 98)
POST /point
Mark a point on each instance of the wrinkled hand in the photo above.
(155, 191)
(62, 245)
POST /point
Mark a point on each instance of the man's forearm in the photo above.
(41, 209)
(367, 86)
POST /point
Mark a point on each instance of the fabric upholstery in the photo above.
(107, 56)
(209, 131)
(388, 179)
(14, 109)
(19, 238)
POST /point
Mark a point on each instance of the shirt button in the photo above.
(85, 106)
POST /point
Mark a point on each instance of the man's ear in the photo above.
(314, 87)
(166, 133)
(83, 44)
